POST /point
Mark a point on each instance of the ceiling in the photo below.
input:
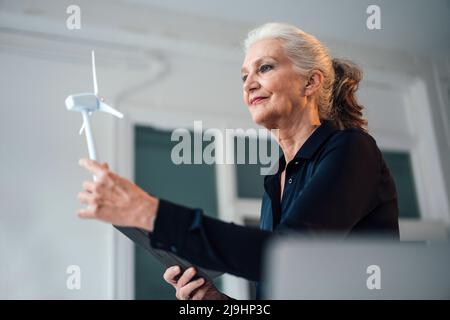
(412, 25)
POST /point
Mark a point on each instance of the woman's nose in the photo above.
(251, 84)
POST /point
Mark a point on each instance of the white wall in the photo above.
(41, 63)
(40, 233)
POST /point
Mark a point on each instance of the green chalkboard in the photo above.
(191, 185)
(399, 164)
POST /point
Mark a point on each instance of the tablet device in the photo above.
(167, 258)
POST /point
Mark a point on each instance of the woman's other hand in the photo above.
(188, 288)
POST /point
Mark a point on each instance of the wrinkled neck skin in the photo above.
(297, 128)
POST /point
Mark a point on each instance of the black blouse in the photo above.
(337, 183)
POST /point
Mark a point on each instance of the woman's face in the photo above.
(272, 88)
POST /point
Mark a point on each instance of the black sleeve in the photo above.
(336, 197)
(208, 242)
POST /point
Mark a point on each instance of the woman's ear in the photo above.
(314, 82)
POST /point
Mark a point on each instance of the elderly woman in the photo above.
(331, 177)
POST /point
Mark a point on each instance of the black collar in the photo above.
(312, 144)
(315, 141)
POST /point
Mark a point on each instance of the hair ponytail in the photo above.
(345, 108)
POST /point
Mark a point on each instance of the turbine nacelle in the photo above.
(89, 102)
(83, 102)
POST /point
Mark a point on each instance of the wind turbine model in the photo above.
(87, 103)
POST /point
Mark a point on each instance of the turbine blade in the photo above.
(108, 109)
(94, 74)
(81, 129)
(82, 126)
